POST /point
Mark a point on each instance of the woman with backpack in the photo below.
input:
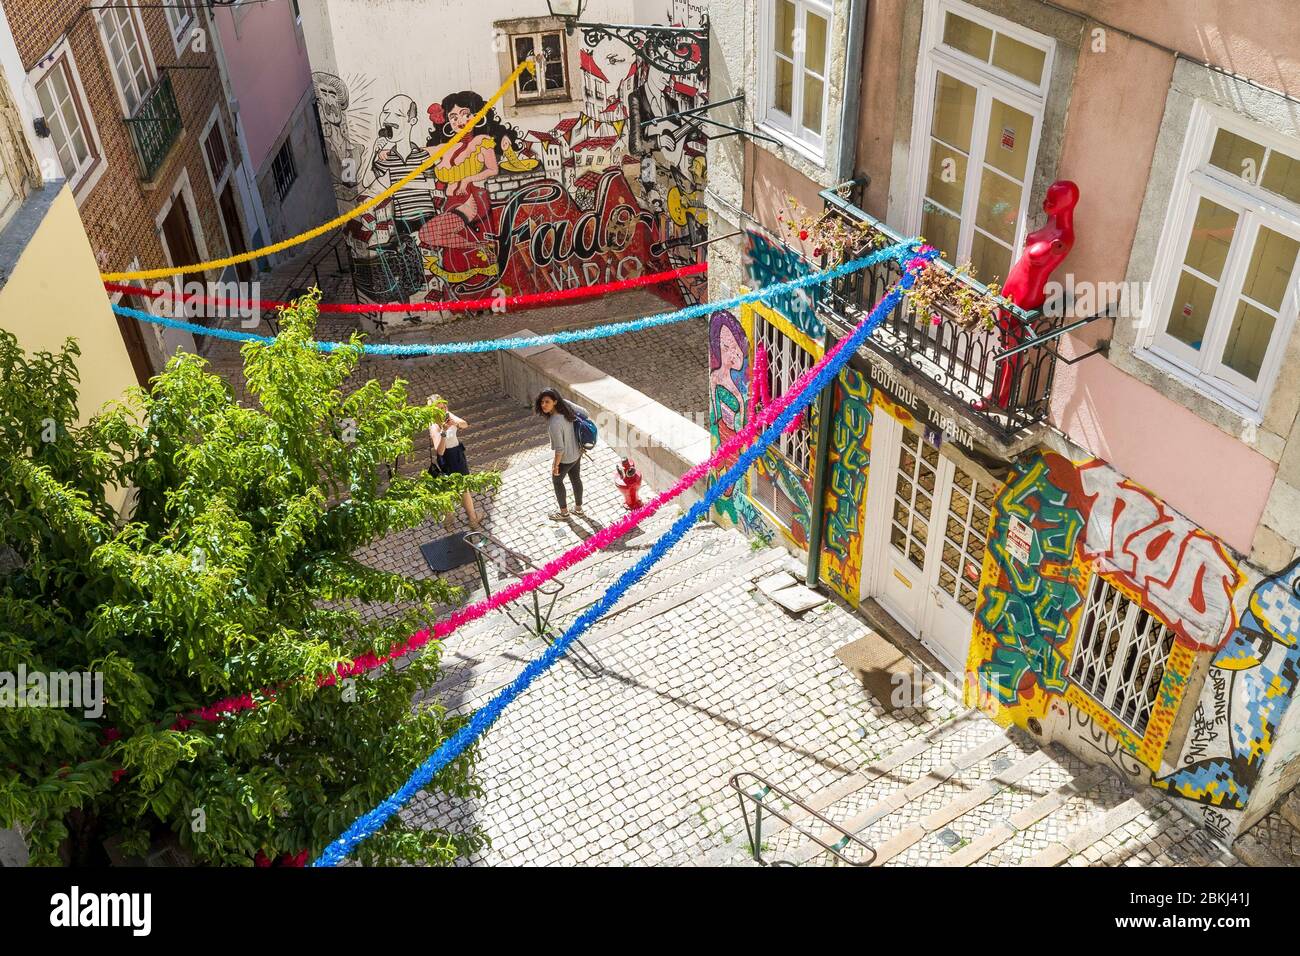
(561, 415)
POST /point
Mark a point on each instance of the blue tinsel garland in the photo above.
(370, 823)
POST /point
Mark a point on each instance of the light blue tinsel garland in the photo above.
(897, 251)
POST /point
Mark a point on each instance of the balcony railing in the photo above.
(1004, 393)
(155, 127)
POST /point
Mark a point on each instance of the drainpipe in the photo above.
(856, 40)
(821, 469)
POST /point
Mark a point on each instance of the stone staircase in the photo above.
(971, 793)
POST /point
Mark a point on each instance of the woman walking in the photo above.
(560, 416)
(448, 456)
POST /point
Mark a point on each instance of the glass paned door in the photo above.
(930, 562)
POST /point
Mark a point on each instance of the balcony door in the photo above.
(980, 96)
(932, 519)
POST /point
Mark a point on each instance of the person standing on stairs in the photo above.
(448, 456)
(560, 416)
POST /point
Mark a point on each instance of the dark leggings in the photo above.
(574, 470)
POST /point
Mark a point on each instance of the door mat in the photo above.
(888, 674)
(447, 553)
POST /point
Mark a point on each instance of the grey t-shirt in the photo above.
(562, 438)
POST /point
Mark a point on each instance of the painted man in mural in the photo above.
(394, 156)
(460, 235)
(344, 157)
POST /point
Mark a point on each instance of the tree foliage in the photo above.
(228, 570)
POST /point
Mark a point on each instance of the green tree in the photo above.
(229, 570)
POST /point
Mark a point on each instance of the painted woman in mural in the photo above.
(728, 375)
(460, 234)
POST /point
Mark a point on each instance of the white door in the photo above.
(933, 518)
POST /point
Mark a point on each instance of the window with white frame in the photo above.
(793, 85)
(128, 54)
(68, 117)
(180, 20)
(1225, 289)
(551, 81)
(216, 154)
(981, 88)
(787, 360)
(1120, 655)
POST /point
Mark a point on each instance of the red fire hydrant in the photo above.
(628, 480)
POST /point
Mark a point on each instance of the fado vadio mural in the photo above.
(610, 193)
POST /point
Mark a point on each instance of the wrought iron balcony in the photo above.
(155, 127)
(993, 379)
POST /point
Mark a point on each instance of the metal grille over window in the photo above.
(283, 170)
(969, 505)
(786, 361)
(913, 498)
(1119, 658)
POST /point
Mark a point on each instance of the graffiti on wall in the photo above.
(1183, 572)
(768, 262)
(595, 197)
(849, 459)
(1247, 691)
(1083, 520)
(1026, 611)
(729, 391)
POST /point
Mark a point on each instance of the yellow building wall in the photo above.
(55, 292)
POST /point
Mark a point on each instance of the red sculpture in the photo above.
(628, 480)
(1026, 286)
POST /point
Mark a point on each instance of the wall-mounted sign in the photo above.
(1020, 539)
(940, 427)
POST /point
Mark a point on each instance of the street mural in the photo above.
(1086, 519)
(729, 391)
(1247, 691)
(846, 486)
(595, 197)
(768, 262)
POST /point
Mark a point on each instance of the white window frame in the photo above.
(85, 178)
(1256, 206)
(789, 128)
(565, 93)
(181, 22)
(794, 446)
(989, 81)
(146, 49)
(1086, 652)
(214, 124)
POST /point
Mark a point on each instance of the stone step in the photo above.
(888, 809)
(856, 783)
(1084, 837)
(980, 847)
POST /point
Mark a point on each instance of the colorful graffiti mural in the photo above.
(1081, 520)
(769, 261)
(1183, 572)
(846, 486)
(1247, 691)
(729, 409)
(608, 193)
